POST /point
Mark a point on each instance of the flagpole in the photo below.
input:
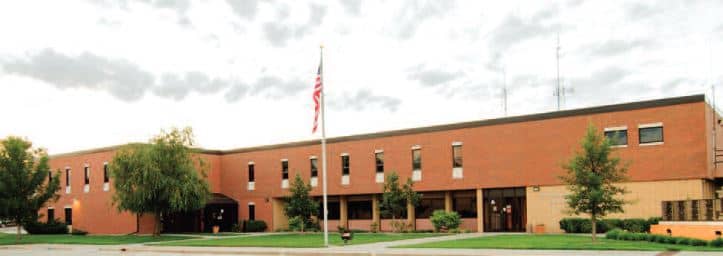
(323, 150)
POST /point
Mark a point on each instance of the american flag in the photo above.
(317, 98)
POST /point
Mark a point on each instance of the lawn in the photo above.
(7, 239)
(560, 242)
(308, 240)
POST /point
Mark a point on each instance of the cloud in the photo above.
(180, 7)
(122, 79)
(279, 33)
(414, 13)
(364, 99)
(615, 47)
(351, 6)
(432, 77)
(514, 30)
(275, 87)
(244, 8)
(601, 83)
(236, 92)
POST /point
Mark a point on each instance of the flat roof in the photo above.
(444, 127)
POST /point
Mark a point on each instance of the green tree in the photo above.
(592, 177)
(395, 198)
(300, 204)
(161, 177)
(23, 181)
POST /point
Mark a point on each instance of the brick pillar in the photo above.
(447, 201)
(411, 218)
(343, 212)
(480, 211)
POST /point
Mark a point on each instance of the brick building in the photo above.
(499, 174)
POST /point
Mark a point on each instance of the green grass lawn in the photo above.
(7, 239)
(308, 240)
(562, 242)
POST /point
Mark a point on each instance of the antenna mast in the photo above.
(504, 89)
(558, 89)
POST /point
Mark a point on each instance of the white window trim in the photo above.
(284, 160)
(251, 163)
(68, 207)
(376, 151)
(416, 147)
(650, 125)
(51, 208)
(621, 146)
(457, 143)
(312, 157)
(616, 128)
(344, 154)
(251, 203)
(651, 144)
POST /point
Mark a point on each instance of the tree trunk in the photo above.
(157, 228)
(19, 236)
(594, 226)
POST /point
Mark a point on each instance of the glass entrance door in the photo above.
(505, 210)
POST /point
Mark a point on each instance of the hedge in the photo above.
(619, 234)
(583, 225)
(254, 226)
(52, 227)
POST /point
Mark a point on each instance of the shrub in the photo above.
(400, 226)
(374, 227)
(79, 232)
(445, 220)
(613, 234)
(660, 238)
(235, 227)
(254, 226)
(716, 243)
(697, 242)
(625, 236)
(296, 223)
(52, 227)
(640, 236)
(670, 240)
(682, 240)
(652, 238)
(636, 225)
(610, 224)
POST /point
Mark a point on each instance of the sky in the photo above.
(79, 75)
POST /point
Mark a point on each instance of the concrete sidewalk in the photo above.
(375, 249)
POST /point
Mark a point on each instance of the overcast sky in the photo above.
(84, 74)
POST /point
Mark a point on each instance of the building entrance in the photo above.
(505, 210)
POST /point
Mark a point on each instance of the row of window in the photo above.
(68, 215)
(378, 158)
(86, 174)
(647, 134)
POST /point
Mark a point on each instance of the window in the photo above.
(251, 173)
(284, 169)
(416, 159)
(360, 210)
(50, 177)
(345, 165)
(67, 177)
(86, 171)
(68, 216)
(651, 134)
(334, 210)
(106, 175)
(252, 212)
(379, 158)
(618, 137)
(51, 215)
(457, 156)
(314, 168)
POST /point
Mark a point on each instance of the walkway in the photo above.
(376, 249)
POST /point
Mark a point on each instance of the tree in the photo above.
(591, 177)
(161, 177)
(299, 204)
(23, 181)
(395, 199)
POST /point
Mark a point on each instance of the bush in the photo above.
(636, 225)
(610, 224)
(374, 227)
(697, 242)
(400, 226)
(652, 238)
(254, 226)
(682, 240)
(640, 236)
(716, 243)
(78, 232)
(295, 223)
(52, 227)
(670, 240)
(627, 236)
(613, 234)
(443, 220)
(572, 225)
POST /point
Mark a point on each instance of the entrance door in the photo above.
(505, 210)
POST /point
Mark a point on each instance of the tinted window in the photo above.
(51, 215)
(251, 173)
(344, 165)
(379, 159)
(651, 134)
(617, 138)
(314, 168)
(457, 156)
(67, 177)
(416, 159)
(252, 212)
(285, 170)
(68, 216)
(86, 171)
(106, 175)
